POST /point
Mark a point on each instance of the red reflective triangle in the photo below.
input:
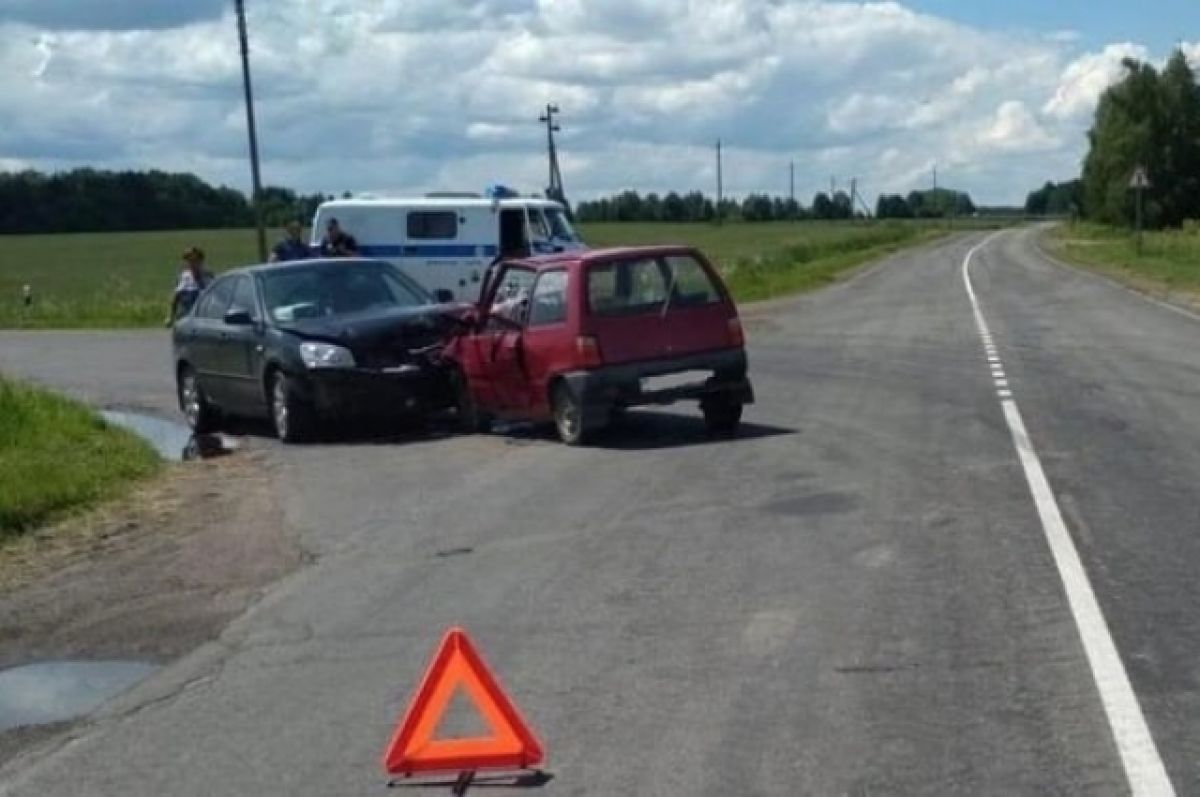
(510, 743)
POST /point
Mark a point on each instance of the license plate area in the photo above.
(656, 384)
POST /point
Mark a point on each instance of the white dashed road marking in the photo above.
(1143, 765)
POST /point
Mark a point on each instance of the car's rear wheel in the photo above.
(568, 416)
(292, 418)
(471, 419)
(722, 416)
(201, 416)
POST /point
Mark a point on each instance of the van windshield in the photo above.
(560, 226)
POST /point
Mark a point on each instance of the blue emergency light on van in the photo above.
(497, 191)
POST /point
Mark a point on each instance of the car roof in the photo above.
(590, 256)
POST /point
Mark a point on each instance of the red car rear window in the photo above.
(642, 285)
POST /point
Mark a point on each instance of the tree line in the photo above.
(696, 207)
(89, 200)
(1150, 119)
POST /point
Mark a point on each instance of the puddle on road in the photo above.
(173, 441)
(55, 691)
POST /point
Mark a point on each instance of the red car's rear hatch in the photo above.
(650, 307)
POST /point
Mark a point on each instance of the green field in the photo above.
(57, 456)
(126, 279)
(1169, 262)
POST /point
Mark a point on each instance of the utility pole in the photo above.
(832, 187)
(240, 8)
(720, 185)
(554, 189)
(853, 195)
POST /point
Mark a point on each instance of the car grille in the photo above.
(395, 350)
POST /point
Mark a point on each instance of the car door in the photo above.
(204, 339)
(495, 365)
(240, 350)
(548, 348)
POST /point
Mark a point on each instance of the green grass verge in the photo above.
(57, 456)
(125, 279)
(1169, 261)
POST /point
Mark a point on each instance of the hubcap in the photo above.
(568, 417)
(190, 395)
(279, 408)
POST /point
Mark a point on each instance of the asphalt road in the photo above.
(857, 597)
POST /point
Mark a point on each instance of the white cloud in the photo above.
(1086, 78)
(424, 94)
(1014, 129)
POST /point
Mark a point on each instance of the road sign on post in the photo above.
(1139, 182)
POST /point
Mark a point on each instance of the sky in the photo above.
(408, 96)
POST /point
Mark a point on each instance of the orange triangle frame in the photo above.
(413, 749)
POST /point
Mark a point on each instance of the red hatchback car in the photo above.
(577, 338)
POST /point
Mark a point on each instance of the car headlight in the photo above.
(326, 355)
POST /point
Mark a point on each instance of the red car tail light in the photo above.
(588, 349)
(737, 337)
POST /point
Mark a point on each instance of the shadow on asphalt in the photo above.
(647, 430)
(642, 430)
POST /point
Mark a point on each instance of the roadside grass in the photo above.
(1169, 263)
(57, 456)
(114, 280)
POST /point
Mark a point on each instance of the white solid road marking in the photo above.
(1143, 765)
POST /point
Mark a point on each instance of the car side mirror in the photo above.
(444, 296)
(237, 317)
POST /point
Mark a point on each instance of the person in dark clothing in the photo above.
(193, 279)
(294, 247)
(337, 242)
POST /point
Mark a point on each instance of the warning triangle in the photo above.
(510, 744)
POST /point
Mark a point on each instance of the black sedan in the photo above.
(311, 341)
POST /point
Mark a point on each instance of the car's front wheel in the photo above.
(722, 416)
(568, 416)
(291, 416)
(201, 416)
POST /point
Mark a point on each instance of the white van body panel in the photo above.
(443, 255)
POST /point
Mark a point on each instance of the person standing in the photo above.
(194, 277)
(337, 242)
(293, 247)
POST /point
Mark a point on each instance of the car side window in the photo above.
(511, 298)
(693, 287)
(216, 300)
(244, 298)
(549, 300)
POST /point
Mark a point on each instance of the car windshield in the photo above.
(642, 285)
(338, 288)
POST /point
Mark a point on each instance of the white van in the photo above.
(447, 241)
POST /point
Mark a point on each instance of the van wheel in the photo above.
(200, 415)
(568, 416)
(292, 418)
(722, 416)
(471, 419)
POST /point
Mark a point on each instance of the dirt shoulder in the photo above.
(149, 578)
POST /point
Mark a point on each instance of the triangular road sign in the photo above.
(510, 745)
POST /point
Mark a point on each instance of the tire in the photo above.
(471, 419)
(294, 420)
(722, 416)
(201, 416)
(568, 416)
